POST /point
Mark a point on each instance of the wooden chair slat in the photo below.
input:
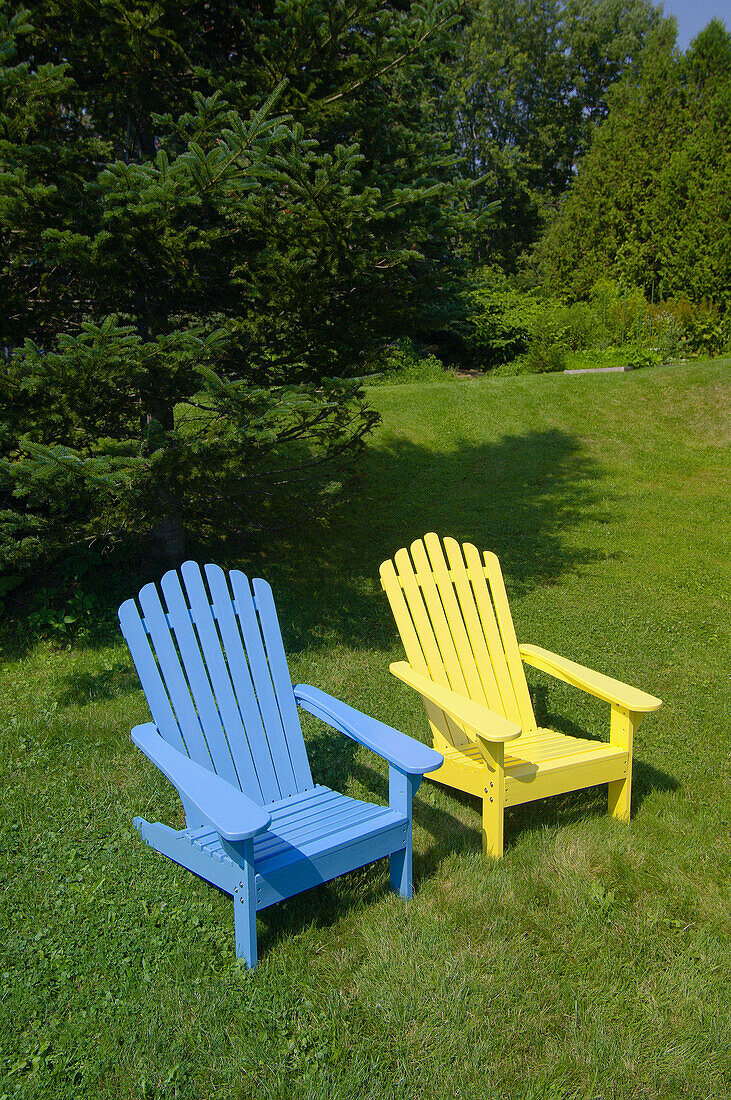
(420, 617)
(197, 674)
(510, 642)
(175, 681)
(446, 587)
(246, 704)
(438, 619)
(282, 684)
(409, 636)
(275, 742)
(476, 573)
(475, 634)
(152, 684)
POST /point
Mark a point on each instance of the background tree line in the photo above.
(215, 219)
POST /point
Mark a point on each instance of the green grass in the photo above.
(593, 962)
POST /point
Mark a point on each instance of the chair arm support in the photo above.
(229, 811)
(487, 724)
(402, 752)
(594, 683)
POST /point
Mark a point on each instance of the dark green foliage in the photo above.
(405, 362)
(545, 355)
(498, 321)
(651, 206)
(504, 322)
(189, 272)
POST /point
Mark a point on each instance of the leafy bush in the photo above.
(668, 338)
(498, 322)
(706, 332)
(578, 326)
(405, 362)
(545, 355)
(623, 314)
(643, 357)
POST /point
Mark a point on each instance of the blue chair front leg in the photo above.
(242, 853)
(401, 791)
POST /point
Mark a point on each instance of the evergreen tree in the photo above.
(529, 87)
(196, 271)
(650, 205)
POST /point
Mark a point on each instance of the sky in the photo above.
(694, 15)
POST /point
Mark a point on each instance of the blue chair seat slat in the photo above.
(256, 770)
(318, 817)
(299, 832)
(198, 682)
(264, 602)
(299, 810)
(172, 674)
(275, 742)
(298, 807)
(352, 818)
(149, 674)
(365, 829)
(323, 831)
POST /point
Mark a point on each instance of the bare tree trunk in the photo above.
(167, 536)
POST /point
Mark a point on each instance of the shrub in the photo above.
(578, 326)
(643, 357)
(405, 362)
(706, 332)
(545, 355)
(498, 322)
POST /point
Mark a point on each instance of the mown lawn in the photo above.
(593, 962)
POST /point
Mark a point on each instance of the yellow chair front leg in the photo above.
(493, 800)
(622, 729)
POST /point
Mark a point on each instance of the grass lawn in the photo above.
(593, 962)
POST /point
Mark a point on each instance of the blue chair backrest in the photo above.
(215, 675)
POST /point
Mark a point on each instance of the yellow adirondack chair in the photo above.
(465, 662)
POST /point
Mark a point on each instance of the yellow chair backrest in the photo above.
(453, 616)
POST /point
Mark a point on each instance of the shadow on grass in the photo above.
(334, 761)
(325, 905)
(520, 497)
(83, 687)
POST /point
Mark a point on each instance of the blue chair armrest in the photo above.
(229, 811)
(404, 753)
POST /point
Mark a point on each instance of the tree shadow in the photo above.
(82, 687)
(520, 497)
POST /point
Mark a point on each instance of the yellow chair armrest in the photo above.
(485, 723)
(594, 683)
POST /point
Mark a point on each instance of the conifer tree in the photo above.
(650, 205)
(223, 213)
(529, 86)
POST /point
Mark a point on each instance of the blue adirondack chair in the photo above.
(226, 733)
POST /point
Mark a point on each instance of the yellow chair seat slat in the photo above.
(452, 611)
(553, 747)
